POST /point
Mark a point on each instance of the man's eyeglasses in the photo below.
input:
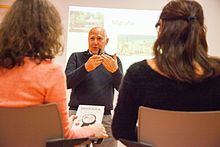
(157, 26)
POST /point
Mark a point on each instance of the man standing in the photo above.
(93, 75)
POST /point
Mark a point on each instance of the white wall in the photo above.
(211, 10)
(212, 21)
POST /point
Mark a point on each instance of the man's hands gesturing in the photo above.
(110, 63)
(93, 62)
(107, 61)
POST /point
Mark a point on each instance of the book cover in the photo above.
(88, 115)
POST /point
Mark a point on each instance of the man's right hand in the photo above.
(93, 62)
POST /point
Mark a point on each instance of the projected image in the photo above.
(130, 45)
(83, 21)
(131, 32)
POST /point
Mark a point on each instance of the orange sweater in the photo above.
(34, 84)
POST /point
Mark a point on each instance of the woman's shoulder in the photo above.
(138, 66)
(145, 66)
(138, 70)
(44, 67)
(145, 70)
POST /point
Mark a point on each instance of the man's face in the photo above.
(97, 39)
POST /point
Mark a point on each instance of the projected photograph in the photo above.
(131, 32)
(130, 45)
(83, 21)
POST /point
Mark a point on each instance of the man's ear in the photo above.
(106, 41)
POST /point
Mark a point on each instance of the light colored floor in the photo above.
(120, 144)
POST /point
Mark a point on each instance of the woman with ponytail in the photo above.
(181, 76)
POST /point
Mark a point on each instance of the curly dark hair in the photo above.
(31, 28)
(181, 42)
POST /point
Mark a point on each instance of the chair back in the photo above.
(29, 126)
(164, 128)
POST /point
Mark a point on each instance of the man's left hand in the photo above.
(110, 63)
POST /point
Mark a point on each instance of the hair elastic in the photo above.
(191, 18)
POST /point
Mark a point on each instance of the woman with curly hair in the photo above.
(29, 40)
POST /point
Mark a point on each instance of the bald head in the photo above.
(97, 39)
(99, 30)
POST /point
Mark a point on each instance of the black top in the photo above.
(91, 88)
(142, 86)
